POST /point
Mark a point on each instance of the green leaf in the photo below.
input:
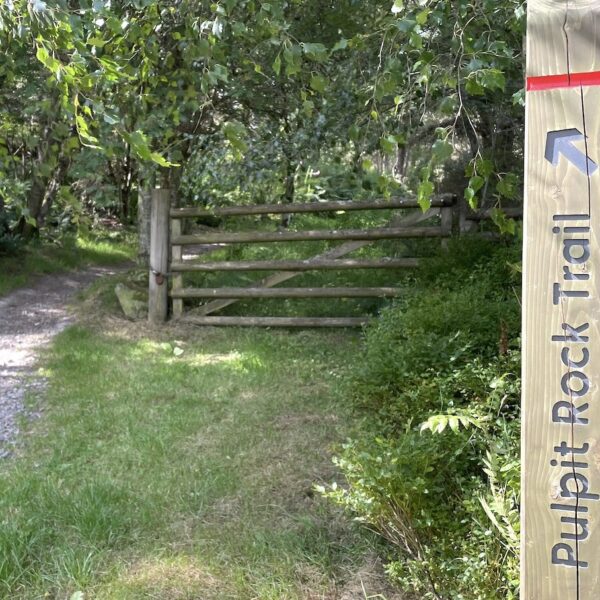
(397, 6)
(110, 117)
(406, 25)
(518, 98)
(277, 65)
(416, 41)
(507, 186)
(424, 193)
(97, 42)
(476, 183)
(316, 52)
(492, 79)
(442, 150)
(160, 160)
(203, 48)
(354, 132)
(48, 61)
(504, 224)
(308, 106)
(484, 167)
(388, 144)
(473, 87)
(318, 83)
(293, 60)
(341, 45)
(235, 133)
(423, 15)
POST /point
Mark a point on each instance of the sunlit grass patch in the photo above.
(180, 475)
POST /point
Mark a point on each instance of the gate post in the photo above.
(158, 286)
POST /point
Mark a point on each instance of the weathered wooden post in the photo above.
(158, 288)
(561, 320)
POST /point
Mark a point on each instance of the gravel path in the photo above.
(29, 318)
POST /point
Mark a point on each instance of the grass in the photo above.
(180, 464)
(39, 258)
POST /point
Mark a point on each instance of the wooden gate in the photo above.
(167, 264)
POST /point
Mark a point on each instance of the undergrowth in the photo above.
(435, 465)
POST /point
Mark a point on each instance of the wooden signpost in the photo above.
(561, 322)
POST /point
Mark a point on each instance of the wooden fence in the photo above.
(167, 265)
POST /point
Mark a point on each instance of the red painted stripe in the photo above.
(553, 82)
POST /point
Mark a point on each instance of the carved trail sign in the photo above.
(561, 304)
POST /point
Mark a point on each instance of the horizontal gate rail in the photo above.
(277, 321)
(295, 265)
(333, 253)
(262, 237)
(300, 292)
(309, 207)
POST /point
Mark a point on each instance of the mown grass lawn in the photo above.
(180, 463)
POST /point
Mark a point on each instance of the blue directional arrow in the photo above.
(562, 142)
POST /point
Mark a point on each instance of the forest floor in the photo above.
(172, 462)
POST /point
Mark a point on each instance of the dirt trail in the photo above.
(29, 318)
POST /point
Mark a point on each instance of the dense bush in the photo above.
(434, 467)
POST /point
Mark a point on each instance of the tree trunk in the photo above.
(53, 187)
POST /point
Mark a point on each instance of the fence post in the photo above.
(158, 287)
(176, 278)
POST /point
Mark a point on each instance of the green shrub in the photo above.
(434, 467)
